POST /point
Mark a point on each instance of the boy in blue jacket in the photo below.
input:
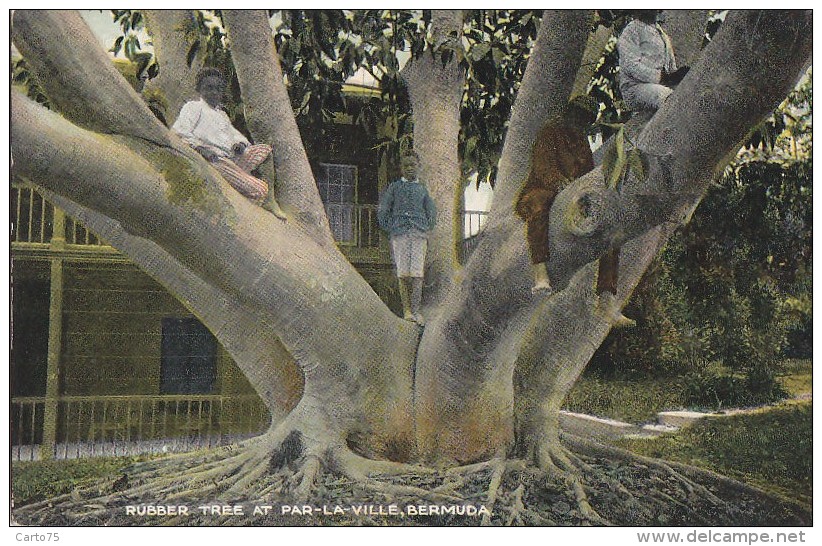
(407, 212)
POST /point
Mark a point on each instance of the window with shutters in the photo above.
(338, 186)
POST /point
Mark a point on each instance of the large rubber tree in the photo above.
(353, 389)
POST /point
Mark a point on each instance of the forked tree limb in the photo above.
(553, 359)
(262, 263)
(460, 368)
(270, 118)
(692, 136)
(546, 86)
(690, 139)
(79, 77)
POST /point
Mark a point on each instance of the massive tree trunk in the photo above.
(465, 372)
(488, 373)
(644, 214)
(466, 356)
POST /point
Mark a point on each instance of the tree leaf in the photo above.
(118, 44)
(638, 164)
(619, 166)
(192, 52)
(136, 20)
(479, 51)
(306, 98)
(609, 162)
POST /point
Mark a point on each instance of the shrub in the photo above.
(734, 285)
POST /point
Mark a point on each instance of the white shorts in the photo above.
(409, 253)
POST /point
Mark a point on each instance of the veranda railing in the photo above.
(100, 425)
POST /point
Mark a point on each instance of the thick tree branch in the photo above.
(244, 332)
(686, 27)
(686, 142)
(303, 293)
(566, 332)
(555, 354)
(551, 363)
(730, 90)
(458, 356)
(79, 77)
(549, 366)
(271, 120)
(436, 96)
(155, 187)
(546, 87)
(176, 80)
(594, 50)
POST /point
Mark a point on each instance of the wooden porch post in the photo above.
(58, 242)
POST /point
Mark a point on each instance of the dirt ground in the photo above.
(620, 492)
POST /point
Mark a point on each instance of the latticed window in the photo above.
(338, 185)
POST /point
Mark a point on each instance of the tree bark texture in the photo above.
(176, 80)
(686, 27)
(244, 332)
(749, 67)
(578, 240)
(271, 269)
(566, 332)
(436, 90)
(553, 365)
(464, 395)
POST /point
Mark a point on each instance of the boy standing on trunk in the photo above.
(407, 212)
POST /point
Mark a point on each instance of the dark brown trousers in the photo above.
(536, 226)
(608, 272)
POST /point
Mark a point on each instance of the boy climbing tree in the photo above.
(205, 126)
(647, 67)
(561, 154)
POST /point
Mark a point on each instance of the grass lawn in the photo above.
(632, 401)
(770, 448)
(33, 481)
(797, 377)
(639, 400)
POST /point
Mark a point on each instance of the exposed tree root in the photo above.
(493, 490)
(518, 508)
(694, 488)
(554, 461)
(357, 469)
(583, 484)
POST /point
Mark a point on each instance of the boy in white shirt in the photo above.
(205, 126)
(647, 67)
